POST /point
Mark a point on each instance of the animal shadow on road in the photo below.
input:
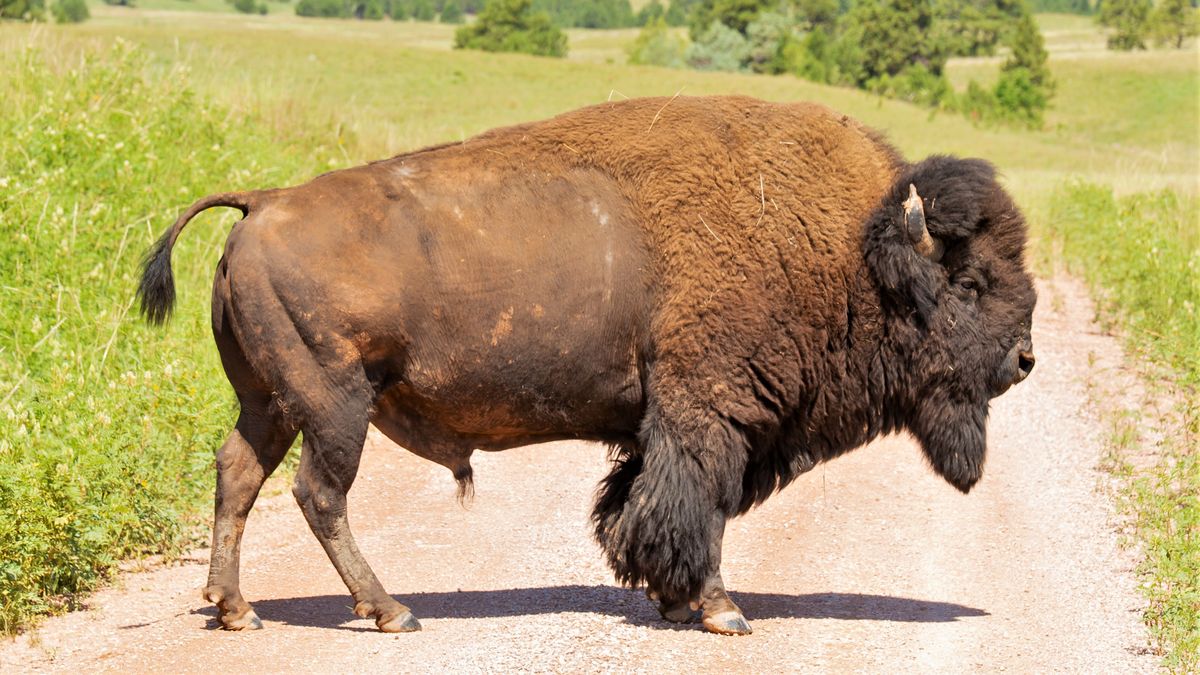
(330, 611)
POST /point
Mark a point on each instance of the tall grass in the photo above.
(106, 432)
(1141, 255)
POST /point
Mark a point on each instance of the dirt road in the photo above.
(870, 563)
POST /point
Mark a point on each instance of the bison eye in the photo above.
(967, 286)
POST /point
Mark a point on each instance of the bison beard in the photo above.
(727, 292)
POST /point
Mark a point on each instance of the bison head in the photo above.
(945, 249)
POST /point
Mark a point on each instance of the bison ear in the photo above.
(933, 203)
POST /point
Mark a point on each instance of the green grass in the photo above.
(1141, 256)
(1153, 286)
(107, 429)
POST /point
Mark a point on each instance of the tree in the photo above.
(1062, 6)
(719, 48)
(70, 11)
(655, 45)
(322, 8)
(399, 10)
(1173, 21)
(1129, 18)
(451, 12)
(677, 12)
(588, 13)
(371, 10)
(735, 14)
(650, 12)
(423, 10)
(23, 10)
(974, 27)
(768, 38)
(1029, 52)
(512, 26)
(1025, 85)
(892, 36)
(814, 14)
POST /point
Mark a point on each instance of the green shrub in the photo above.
(327, 9)
(70, 11)
(719, 48)
(655, 45)
(917, 85)
(767, 40)
(23, 10)
(735, 14)
(512, 26)
(249, 6)
(107, 429)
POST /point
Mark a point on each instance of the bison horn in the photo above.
(914, 223)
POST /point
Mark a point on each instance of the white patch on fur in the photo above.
(601, 216)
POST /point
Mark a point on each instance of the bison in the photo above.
(725, 291)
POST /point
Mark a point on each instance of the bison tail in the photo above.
(157, 289)
(654, 511)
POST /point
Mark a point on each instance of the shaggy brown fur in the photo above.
(725, 290)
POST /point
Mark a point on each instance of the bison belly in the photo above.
(523, 305)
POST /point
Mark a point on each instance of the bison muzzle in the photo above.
(723, 290)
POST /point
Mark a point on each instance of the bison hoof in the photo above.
(727, 623)
(680, 613)
(247, 621)
(401, 623)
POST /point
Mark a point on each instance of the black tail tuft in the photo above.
(465, 477)
(157, 290)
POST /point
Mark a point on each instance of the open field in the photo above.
(318, 69)
(254, 101)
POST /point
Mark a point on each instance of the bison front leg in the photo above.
(249, 455)
(713, 607)
(660, 516)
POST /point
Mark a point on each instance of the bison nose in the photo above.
(1025, 361)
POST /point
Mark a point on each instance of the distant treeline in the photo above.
(447, 11)
(599, 13)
